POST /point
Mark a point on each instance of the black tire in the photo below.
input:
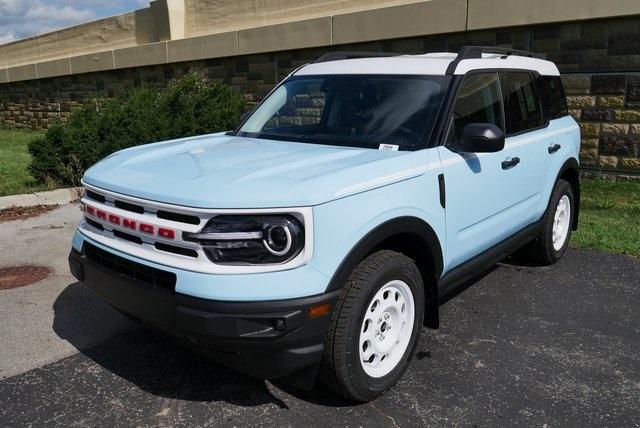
(541, 250)
(341, 368)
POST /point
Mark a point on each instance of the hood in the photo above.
(220, 171)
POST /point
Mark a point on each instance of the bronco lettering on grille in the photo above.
(163, 232)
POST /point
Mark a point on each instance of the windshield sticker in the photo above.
(388, 147)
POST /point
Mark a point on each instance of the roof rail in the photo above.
(340, 55)
(475, 52)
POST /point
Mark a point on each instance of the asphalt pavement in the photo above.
(523, 345)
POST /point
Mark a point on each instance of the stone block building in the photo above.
(252, 44)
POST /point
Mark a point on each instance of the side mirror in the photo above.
(480, 138)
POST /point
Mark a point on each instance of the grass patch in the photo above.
(609, 217)
(14, 162)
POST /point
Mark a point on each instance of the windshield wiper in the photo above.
(283, 136)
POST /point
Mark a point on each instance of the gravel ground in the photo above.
(556, 345)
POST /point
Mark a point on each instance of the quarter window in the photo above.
(522, 105)
(478, 101)
(553, 98)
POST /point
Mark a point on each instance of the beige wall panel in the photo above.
(203, 47)
(56, 67)
(92, 62)
(215, 16)
(22, 72)
(503, 13)
(160, 14)
(293, 35)
(168, 16)
(137, 56)
(426, 17)
(4, 75)
(129, 29)
(19, 52)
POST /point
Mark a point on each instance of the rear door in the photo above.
(528, 139)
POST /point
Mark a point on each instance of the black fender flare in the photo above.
(571, 169)
(430, 243)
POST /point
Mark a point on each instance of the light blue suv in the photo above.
(320, 236)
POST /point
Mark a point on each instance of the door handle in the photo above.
(510, 163)
(554, 148)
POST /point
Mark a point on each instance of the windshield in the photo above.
(351, 110)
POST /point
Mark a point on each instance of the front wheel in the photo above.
(555, 233)
(375, 326)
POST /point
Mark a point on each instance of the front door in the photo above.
(485, 192)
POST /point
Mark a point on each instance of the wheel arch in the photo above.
(410, 236)
(570, 172)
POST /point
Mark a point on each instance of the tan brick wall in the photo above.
(602, 95)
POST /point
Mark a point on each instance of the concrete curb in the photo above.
(58, 196)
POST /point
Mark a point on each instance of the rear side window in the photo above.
(522, 105)
(478, 101)
(554, 101)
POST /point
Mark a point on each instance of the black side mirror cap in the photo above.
(480, 138)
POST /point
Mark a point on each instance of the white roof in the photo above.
(427, 64)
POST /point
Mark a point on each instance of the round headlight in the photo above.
(252, 239)
(278, 240)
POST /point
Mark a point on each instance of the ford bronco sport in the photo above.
(320, 236)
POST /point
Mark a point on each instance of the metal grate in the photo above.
(129, 207)
(156, 277)
(95, 196)
(94, 224)
(176, 250)
(182, 218)
(128, 237)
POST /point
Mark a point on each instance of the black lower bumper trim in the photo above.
(267, 339)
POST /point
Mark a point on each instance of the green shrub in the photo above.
(188, 106)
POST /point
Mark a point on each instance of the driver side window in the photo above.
(478, 101)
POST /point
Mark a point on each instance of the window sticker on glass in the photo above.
(388, 147)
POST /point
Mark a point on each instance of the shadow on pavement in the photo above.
(156, 364)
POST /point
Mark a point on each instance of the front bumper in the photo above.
(267, 339)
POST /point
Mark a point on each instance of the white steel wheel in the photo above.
(561, 223)
(386, 328)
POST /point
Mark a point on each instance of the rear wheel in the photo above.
(375, 327)
(555, 234)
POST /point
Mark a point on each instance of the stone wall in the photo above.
(608, 109)
(599, 59)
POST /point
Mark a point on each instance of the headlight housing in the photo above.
(253, 239)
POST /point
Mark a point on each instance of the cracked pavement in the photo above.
(555, 345)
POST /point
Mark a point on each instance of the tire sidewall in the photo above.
(561, 189)
(408, 273)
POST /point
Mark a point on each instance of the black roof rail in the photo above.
(340, 55)
(475, 52)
